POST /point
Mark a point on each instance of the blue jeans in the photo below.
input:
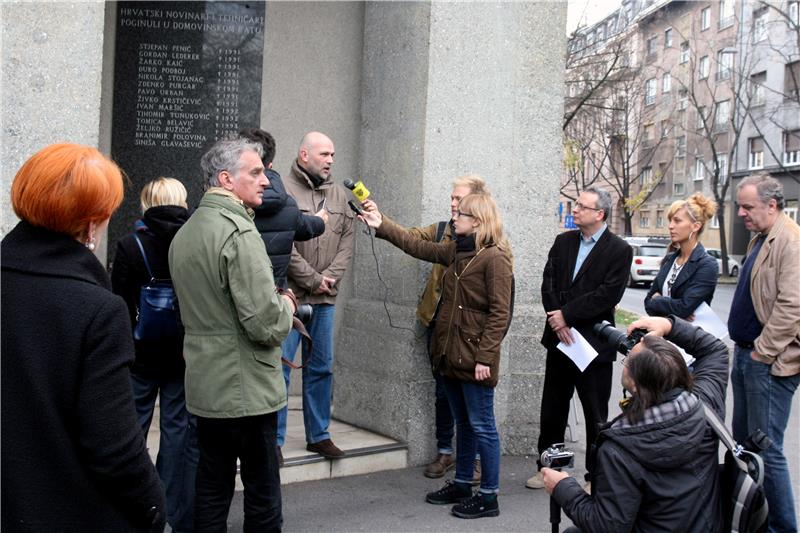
(317, 375)
(444, 418)
(473, 410)
(177, 450)
(763, 401)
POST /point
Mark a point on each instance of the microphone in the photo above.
(358, 189)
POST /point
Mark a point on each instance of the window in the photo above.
(722, 165)
(683, 99)
(724, 65)
(703, 67)
(648, 135)
(652, 46)
(600, 33)
(791, 147)
(725, 13)
(646, 176)
(705, 18)
(758, 83)
(660, 218)
(666, 82)
(684, 52)
(680, 146)
(722, 114)
(701, 117)
(759, 25)
(699, 169)
(794, 12)
(677, 189)
(668, 37)
(644, 219)
(664, 129)
(791, 81)
(650, 91)
(756, 152)
(590, 39)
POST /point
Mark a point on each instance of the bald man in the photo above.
(315, 271)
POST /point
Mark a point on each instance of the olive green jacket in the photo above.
(235, 321)
(429, 299)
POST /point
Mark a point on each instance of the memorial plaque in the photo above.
(186, 74)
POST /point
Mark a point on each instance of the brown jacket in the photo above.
(476, 303)
(775, 290)
(429, 299)
(330, 253)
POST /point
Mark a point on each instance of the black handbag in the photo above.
(157, 317)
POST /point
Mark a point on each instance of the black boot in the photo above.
(450, 493)
(478, 506)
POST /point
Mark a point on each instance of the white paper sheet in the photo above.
(706, 318)
(580, 351)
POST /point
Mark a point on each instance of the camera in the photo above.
(557, 457)
(304, 312)
(621, 340)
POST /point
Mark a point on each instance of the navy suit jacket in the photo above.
(695, 284)
(594, 293)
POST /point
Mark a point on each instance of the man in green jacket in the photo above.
(235, 322)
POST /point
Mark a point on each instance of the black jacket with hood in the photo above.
(156, 230)
(281, 222)
(660, 476)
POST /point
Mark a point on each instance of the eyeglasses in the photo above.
(462, 214)
(579, 206)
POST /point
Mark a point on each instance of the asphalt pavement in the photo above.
(394, 501)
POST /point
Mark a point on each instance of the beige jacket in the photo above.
(330, 253)
(775, 290)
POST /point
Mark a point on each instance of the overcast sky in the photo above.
(586, 12)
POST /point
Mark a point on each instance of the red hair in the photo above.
(63, 187)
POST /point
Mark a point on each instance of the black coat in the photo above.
(281, 222)
(694, 285)
(73, 455)
(595, 292)
(659, 476)
(129, 273)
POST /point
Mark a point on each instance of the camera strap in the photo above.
(300, 328)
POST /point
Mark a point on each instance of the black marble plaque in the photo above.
(186, 74)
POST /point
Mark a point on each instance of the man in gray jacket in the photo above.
(235, 323)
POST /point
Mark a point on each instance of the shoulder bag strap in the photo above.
(144, 256)
(719, 428)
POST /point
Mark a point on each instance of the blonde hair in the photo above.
(475, 184)
(482, 207)
(699, 207)
(163, 191)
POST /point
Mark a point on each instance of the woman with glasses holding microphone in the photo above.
(688, 275)
(473, 317)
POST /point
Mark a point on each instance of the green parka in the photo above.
(235, 321)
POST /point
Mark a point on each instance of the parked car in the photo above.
(646, 263)
(733, 264)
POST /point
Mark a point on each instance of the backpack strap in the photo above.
(720, 429)
(440, 230)
(144, 256)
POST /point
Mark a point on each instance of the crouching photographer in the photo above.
(656, 463)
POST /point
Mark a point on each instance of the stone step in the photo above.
(366, 452)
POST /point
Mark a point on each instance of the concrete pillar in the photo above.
(450, 89)
(52, 57)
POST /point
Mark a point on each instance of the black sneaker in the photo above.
(476, 507)
(450, 493)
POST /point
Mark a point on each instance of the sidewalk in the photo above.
(394, 501)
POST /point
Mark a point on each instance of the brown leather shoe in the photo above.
(326, 448)
(476, 475)
(443, 463)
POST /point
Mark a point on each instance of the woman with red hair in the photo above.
(74, 457)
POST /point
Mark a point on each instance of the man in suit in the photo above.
(583, 281)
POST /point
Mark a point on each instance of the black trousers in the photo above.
(561, 379)
(253, 441)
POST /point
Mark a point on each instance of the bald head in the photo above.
(315, 154)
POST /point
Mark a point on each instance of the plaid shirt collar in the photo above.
(662, 412)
